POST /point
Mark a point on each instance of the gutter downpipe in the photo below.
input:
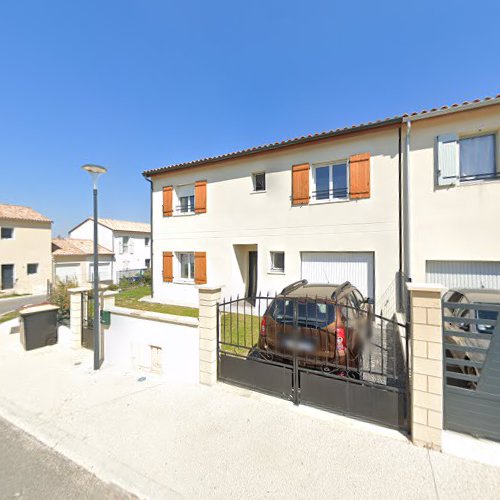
(407, 205)
(151, 226)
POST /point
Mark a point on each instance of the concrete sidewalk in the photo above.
(168, 441)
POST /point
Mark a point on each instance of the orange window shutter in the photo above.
(300, 184)
(200, 268)
(359, 176)
(200, 197)
(167, 201)
(168, 268)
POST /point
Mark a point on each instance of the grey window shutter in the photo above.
(447, 160)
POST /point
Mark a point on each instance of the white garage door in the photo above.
(68, 272)
(104, 271)
(337, 267)
(464, 274)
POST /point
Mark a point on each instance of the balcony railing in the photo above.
(330, 194)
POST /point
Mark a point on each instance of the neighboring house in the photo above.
(130, 242)
(25, 255)
(73, 261)
(337, 206)
(455, 195)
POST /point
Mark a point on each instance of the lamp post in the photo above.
(95, 171)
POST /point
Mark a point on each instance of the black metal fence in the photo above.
(336, 355)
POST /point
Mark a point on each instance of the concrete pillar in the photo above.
(426, 364)
(76, 315)
(108, 299)
(209, 297)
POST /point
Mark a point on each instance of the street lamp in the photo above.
(95, 171)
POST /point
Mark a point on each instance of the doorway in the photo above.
(7, 276)
(252, 274)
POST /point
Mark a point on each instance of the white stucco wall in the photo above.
(267, 221)
(31, 244)
(128, 341)
(452, 223)
(84, 262)
(85, 231)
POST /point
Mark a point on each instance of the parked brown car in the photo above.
(323, 325)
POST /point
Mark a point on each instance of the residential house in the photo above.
(414, 195)
(25, 254)
(130, 242)
(73, 261)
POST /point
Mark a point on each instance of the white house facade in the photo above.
(130, 242)
(365, 204)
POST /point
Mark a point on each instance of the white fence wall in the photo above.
(129, 339)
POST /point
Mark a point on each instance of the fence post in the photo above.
(108, 299)
(426, 364)
(209, 297)
(76, 315)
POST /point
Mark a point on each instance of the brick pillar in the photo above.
(426, 365)
(208, 299)
(75, 315)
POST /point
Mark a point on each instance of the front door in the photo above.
(7, 276)
(252, 274)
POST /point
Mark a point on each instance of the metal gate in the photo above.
(87, 336)
(471, 343)
(286, 347)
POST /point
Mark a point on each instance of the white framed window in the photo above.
(147, 263)
(124, 244)
(477, 157)
(185, 199)
(185, 266)
(7, 233)
(259, 182)
(466, 158)
(278, 262)
(32, 268)
(331, 181)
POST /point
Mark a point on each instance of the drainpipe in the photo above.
(406, 205)
(151, 237)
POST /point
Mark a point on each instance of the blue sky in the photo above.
(140, 84)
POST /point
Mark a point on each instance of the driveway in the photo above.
(161, 440)
(14, 303)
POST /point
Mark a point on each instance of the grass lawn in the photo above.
(8, 316)
(130, 298)
(242, 331)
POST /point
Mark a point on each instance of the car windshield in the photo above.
(488, 315)
(315, 314)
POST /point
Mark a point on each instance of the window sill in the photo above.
(273, 271)
(324, 202)
(184, 214)
(259, 192)
(180, 281)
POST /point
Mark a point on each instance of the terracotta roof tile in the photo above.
(310, 137)
(19, 212)
(73, 246)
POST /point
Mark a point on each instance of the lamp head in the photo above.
(95, 171)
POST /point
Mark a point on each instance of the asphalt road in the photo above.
(31, 470)
(7, 305)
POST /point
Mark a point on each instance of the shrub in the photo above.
(113, 287)
(59, 295)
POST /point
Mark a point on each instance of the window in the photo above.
(259, 181)
(477, 157)
(7, 233)
(147, 263)
(278, 262)
(124, 244)
(185, 199)
(146, 242)
(186, 265)
(32, 268)
(331, 182)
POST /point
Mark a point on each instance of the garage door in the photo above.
(104, 271)
(68, 272)
(337, 267)
(464, 274)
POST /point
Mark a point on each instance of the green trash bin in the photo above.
(38, 326)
